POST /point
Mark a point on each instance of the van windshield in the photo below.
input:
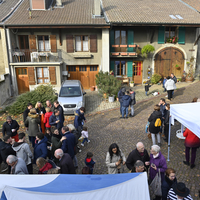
(70, 92)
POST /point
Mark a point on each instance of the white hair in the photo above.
(59, 152)
(11, 159)
(138, 144)
(71, 127)
(156, 148)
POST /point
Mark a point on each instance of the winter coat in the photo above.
(84, 134)
(89, 162)
(61, 115)
(48, 136)
(32, 122)
(45, 168)
(40, 149)
(1, 144)
(68, 145)
(38, 110)
(23, 151)
(126, 100)
(20, 167)
(160, 163)
(166, 186)
(25, 114)
(121, 93)
(174, 79)
(7, 129)
(79, 117)
(134, 156)
(167, 114)
(46, 119)
(52, 122)
(112, 168)
(163, 109)
(56, 143)
(170, 84)
(6, 150)
(146, 87)
(152, 129)
(191, 139)
(133, 101)
(164, 81)
(66, 165)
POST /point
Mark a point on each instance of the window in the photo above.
(82, 68)
(93, 68)
(71, 68)
(120, 68)
(70, 91)
(23, 42)
(170, 32)
(42, 75)
(81, 43)
(120, 37)
(43, 43)
(22, 71)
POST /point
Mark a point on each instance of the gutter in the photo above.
(8, 15)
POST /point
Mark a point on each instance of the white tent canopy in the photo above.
(188, 114)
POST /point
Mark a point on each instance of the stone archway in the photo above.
(166, 61)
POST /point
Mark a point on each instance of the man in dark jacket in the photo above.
(79, 117)
(133, 102)
(120, 94)
(175, 81)
(25, 113)
(162, 105)
(65, 162)
(57, 106)
(55, 120)
(126, 100)
(140, 153)
(69, 144)
(10, 127)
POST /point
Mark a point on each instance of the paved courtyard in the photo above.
(106, 128)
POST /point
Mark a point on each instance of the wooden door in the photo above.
(137, 72)
(73, 71)
(83, 76)
(22, 80)
(93, 70)
(24, 46)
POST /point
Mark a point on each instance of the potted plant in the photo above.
(132, 84)
(177, 67)
(147, 49)
(173, 39)
(189, 76)
(108, 85)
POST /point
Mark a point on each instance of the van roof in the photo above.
(71, 83)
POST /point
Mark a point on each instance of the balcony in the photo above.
(124, 50)
(24, 55)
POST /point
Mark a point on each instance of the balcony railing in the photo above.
(24, 55)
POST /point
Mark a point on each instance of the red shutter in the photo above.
(52, 75)
(53, 43)
(31, 75)
(32, 43)
(93, 43)
(70, 44)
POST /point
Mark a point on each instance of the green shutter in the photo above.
(161, 35)
(112, 66)
(129, 69)
(112, 40)
(130, 40)
(181, 35)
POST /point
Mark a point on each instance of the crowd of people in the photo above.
(55, 146)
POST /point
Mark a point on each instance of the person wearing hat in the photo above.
(179, 192)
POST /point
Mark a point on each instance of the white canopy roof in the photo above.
(188, 114)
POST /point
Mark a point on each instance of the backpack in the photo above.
(157, 122)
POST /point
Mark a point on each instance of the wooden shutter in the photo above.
(130, 69)
(32, 42)
(181, 35)
(112, 66)
(53, 43)
(161, 35)
(52, 75)
(112, 40)
(31, 75)
(130, 40)
(70, 44)
(93, 43)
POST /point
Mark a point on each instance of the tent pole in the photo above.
(169, 137)
(182, 128)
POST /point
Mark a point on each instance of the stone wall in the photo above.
(5, 90)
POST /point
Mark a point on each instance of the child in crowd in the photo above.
(84, 134)
(126, 100)
(146, 87)
(133, 102)
(164, 81)
(166, 122)
(89, 161)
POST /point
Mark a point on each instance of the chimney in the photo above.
(97, 8)
(59, 3)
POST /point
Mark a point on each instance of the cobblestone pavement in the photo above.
(106, 128)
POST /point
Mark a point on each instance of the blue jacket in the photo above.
(69, 144)
(79, 117)
(120, 94)
(40, 149)
(164, 81)
(126, 100)
(89, 162)
(52, 122)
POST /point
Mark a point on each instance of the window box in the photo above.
(134, 45)
(124, 54)
(123, 45)
(115, 54)
(115, 45)
(132, 54)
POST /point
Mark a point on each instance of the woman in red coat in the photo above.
(193, 142)
(46, 118)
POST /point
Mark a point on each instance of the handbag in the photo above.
(156, 185)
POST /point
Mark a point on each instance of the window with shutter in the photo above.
(42, 75)
(130, 68)
(53, 43)
(70, 44)
(31, 75)
(93, 43)
(32, 42)
(161, 35)
(52, 75)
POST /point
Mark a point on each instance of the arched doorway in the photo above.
(169, 60)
